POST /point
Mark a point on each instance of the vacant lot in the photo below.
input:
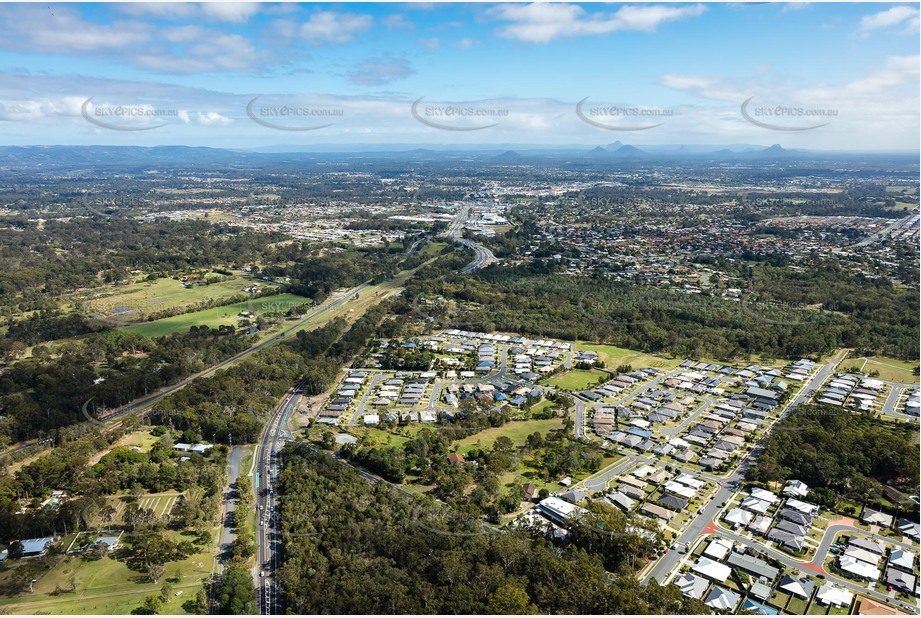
(516, 431)
(575, 380)
(889, 368)
(614, 357)
(218, 316)
(131, 303)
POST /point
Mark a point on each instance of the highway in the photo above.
(268, 532)
(150, 400)
(484, 257)
(667, 565)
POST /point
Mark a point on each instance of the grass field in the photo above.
(161, 504)
(218, 316)
(614, 356)
(107, 586)
(540, 407)
(575, 380)
(516, 431)
(134, 301)
(889, 369)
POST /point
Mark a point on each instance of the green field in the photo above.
(613, 356)
(134, 301)
(225, 314)
(106, 586)
(575, 380)
(889, 369)
(516, 431)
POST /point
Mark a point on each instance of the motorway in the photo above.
(268, 532)
(666, 566)
(484, 257)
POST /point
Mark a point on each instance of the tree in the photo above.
(237, 593)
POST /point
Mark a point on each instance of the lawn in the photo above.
(516, 431)
(889, 369)
(107, 586)
(797, 605)
(540, 407)
(161, 504)
(133, 301)
(575, 380)
(217, 316)
(614, 356)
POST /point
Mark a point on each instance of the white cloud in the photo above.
(467, 43)
(375, 72)
(433, 43)
(235, 12)
(213, 119)
(896, 16)
(331, 27)
(541, 23)
(397, 22)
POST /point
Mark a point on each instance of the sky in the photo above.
(823, 76)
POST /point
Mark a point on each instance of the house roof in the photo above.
(900, 579)
(720, 598)
(830, 594)
(801, 587)
(711, 569)
(692, 586)
(752, 565)
(902, 558)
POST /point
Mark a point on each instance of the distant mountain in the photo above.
(629, 151)
(509, 156)
(615, 146)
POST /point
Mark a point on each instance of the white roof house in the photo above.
(711, 569)
(830, 594)
(763, 494)
(372, 419)
(902, 559)
(722, 599)
(750, 503)
(738, 517)
(690, 481)
(558, 509)
(718, 549)
(681, 490)
(692, 586)
(796, 488)
(802, 507)
(859, 568)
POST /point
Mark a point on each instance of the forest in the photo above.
(384, 552)
(873, 317)
(840, 455)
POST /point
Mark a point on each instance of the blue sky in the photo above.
(823, 76)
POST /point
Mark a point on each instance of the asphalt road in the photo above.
(484, 257)
(792, 563)
(229, 504)
(267, 530)
(666, 565)
(150, 400)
